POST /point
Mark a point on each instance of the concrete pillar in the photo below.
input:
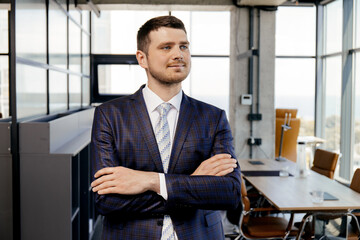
(239, 82)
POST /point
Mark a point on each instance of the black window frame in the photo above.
(106, 59)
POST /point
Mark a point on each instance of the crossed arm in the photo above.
(215, 183)
(122, 180)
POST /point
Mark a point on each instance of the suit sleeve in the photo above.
(103, 155)
(208, 192)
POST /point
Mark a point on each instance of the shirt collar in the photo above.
(153, 101)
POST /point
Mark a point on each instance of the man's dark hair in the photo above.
(154, 24)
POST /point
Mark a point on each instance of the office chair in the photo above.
(329, 225)
(261, 227)
(325, 162)
(355, 182)
(289, 143)
(354, 232)
(353, 228)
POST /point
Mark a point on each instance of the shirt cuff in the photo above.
(163, 189)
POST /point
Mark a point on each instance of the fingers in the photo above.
(218, 157)
(223, 165)
(103, 186)
(104, 177)
(217, 160)
(224, 169)
(104, 171)
(101, 180)
(223, 162)
(218, 165)
(223, 173)
(107, 191)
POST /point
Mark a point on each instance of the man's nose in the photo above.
(178, 54)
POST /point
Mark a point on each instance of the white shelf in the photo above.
(56, 135)
(75, 145)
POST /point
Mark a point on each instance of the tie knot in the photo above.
(164, 108)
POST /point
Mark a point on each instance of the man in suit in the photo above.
(163, 162)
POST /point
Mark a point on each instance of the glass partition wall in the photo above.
(332, 47)
(339, 104)
(4, 64)
(53, 55)
(295, 63)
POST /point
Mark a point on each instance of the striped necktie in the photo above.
(162, 134)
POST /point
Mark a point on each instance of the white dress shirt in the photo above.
(152, 101)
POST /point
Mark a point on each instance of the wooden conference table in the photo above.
(293, 193)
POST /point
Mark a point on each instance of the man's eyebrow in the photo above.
(185, 42)
(173, 43)
(167, 43)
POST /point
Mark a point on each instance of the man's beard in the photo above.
(166, 80)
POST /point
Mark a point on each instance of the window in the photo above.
(331, 79)
(114, 78)
(57, 36)
(115, 31)
(341, 96)
(74, 91)
(299, 73)
(74, 47)
(210, 86)
(4, 64)
(332, 75)
(295, 31)
(356, 153)
(57, 91)
(210, 56)
(209, 51)
(31, 30)
(356, 150)
(295, 63)
(56, 79)
(332, 104)
(357, 24)
(4, 31)
(85, 92)
(333, 27)
(201, 28)
(85, 56)
(31, 90)
(4, 86)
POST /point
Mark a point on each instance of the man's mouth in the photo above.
(178, 65)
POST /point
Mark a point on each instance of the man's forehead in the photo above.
(168, 29)
(164, 33)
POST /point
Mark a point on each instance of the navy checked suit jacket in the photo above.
(122, 135)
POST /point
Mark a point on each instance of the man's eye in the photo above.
(166, 48)
(183, 47)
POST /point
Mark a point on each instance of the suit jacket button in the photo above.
(160, 222)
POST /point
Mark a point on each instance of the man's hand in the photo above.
(218, 165)
(125, 181)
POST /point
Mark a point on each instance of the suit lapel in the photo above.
(186, 116)
(143, 121)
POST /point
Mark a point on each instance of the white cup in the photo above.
(284, 172)
(317, 196)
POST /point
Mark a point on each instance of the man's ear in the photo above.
(142, 59)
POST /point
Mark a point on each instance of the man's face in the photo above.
(168, 59)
